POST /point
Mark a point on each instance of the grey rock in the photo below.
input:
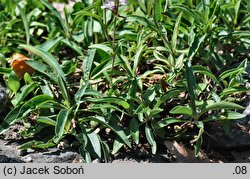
(9, 149)
(13, 132)
(30, 151)
(28, 159)
(5, 159)
(247, 111)
(52, 155)
(96, 161)
(48, 157)
(237, 137)
(78, 159)
(3, 99)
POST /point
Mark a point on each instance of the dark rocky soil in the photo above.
(219, 147)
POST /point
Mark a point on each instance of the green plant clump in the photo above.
(146, 70)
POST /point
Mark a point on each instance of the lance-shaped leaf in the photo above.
(60, 125)
(47, 58)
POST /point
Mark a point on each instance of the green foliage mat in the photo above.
(145, 70)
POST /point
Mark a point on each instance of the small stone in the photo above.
(78, 159)
(96, 161)
(63, 145)
(30, 150)
(107, 130)
(28, 159)
(247, 111)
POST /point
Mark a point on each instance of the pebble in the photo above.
(96, 161)
(247, 111)
(30, 151)
(28, 159)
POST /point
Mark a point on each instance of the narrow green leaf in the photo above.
(64, 91)
(95, 143)
(234, 90)
(90, 14)
(189, 13)
(36, 101)
(191, 85)
(56, 14)
(167, 121)
(126, 65)
(153, 112)
(115, 100)
(231, 72)
(60, 125)
(13, 82)
(101, 68)
(102, 47)
(87, 63)
(36, 144)
(195, 46)
(81, 92)
(46, 90)
(82, 138)
(22, 111)
(42, 68)
(117, 145)
(101, 107)
(73, 46)
(169, 95)
(46, 120)
(236, 10)
(231, 115)
(205, 71)
(137, 57)
(221, 105)
(143, 21)
(158, 10)
(47, 58)
(10, 119)
(112, 126)
(25, 23)
(27, 78)
(150, 138)
(149, 95)
(228, 115)
(134, 129)
(5, 71)
(175, 32)
(150, 4)
(181, 110)
(226, 124)
(106, 151)
(51, 44)
(85, 154)
(25, 91)
(199, 138)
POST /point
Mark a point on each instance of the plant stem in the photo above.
(115, 11)
(114, 49)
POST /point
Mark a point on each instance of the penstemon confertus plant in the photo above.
(113, 5)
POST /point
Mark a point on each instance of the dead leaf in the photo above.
(19, 65)
(185, 155)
